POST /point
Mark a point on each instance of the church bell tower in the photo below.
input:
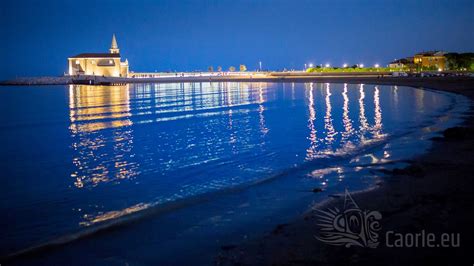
(114, 47)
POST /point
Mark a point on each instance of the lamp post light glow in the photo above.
(376, 65)
(327, 65)
(344, 66)
(361, 65)
(311, 65)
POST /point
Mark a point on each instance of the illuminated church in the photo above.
(99, 64)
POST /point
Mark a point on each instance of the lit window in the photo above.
(93, 61)
(77, 62)
(110, 61)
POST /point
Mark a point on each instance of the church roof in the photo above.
(96, 55)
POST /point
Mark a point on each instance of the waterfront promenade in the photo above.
(300, 76)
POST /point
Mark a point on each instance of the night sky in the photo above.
(38, 36)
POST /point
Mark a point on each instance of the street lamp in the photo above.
(311, 65)
(327, 65)
(361, 65)
(376, 66)
(344, 66)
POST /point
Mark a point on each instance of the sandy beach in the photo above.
(434, 194)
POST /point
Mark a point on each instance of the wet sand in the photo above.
(435, 194)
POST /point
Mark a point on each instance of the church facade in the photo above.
(99, 64)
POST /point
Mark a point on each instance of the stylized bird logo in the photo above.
(349, 227)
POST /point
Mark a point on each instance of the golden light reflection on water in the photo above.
(101, 157)
(233, 134)
(364, 125)
(378, 114)
(328, 125)
(395, 96)
(105, 155)
(292, 94)
(261, 109)
(94, 108)
(312, 150)
(420, 97)
(345, 116)
(103, 217)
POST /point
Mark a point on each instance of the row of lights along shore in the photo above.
(310, 65)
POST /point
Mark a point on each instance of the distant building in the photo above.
(431, 59)
(401, 63)
(99, 64)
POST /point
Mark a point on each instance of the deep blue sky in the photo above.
(38, 36)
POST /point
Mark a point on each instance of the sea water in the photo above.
(169, 173)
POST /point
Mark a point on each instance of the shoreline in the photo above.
(436, 197)
(375, 78)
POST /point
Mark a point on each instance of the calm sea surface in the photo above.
(184, 168)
